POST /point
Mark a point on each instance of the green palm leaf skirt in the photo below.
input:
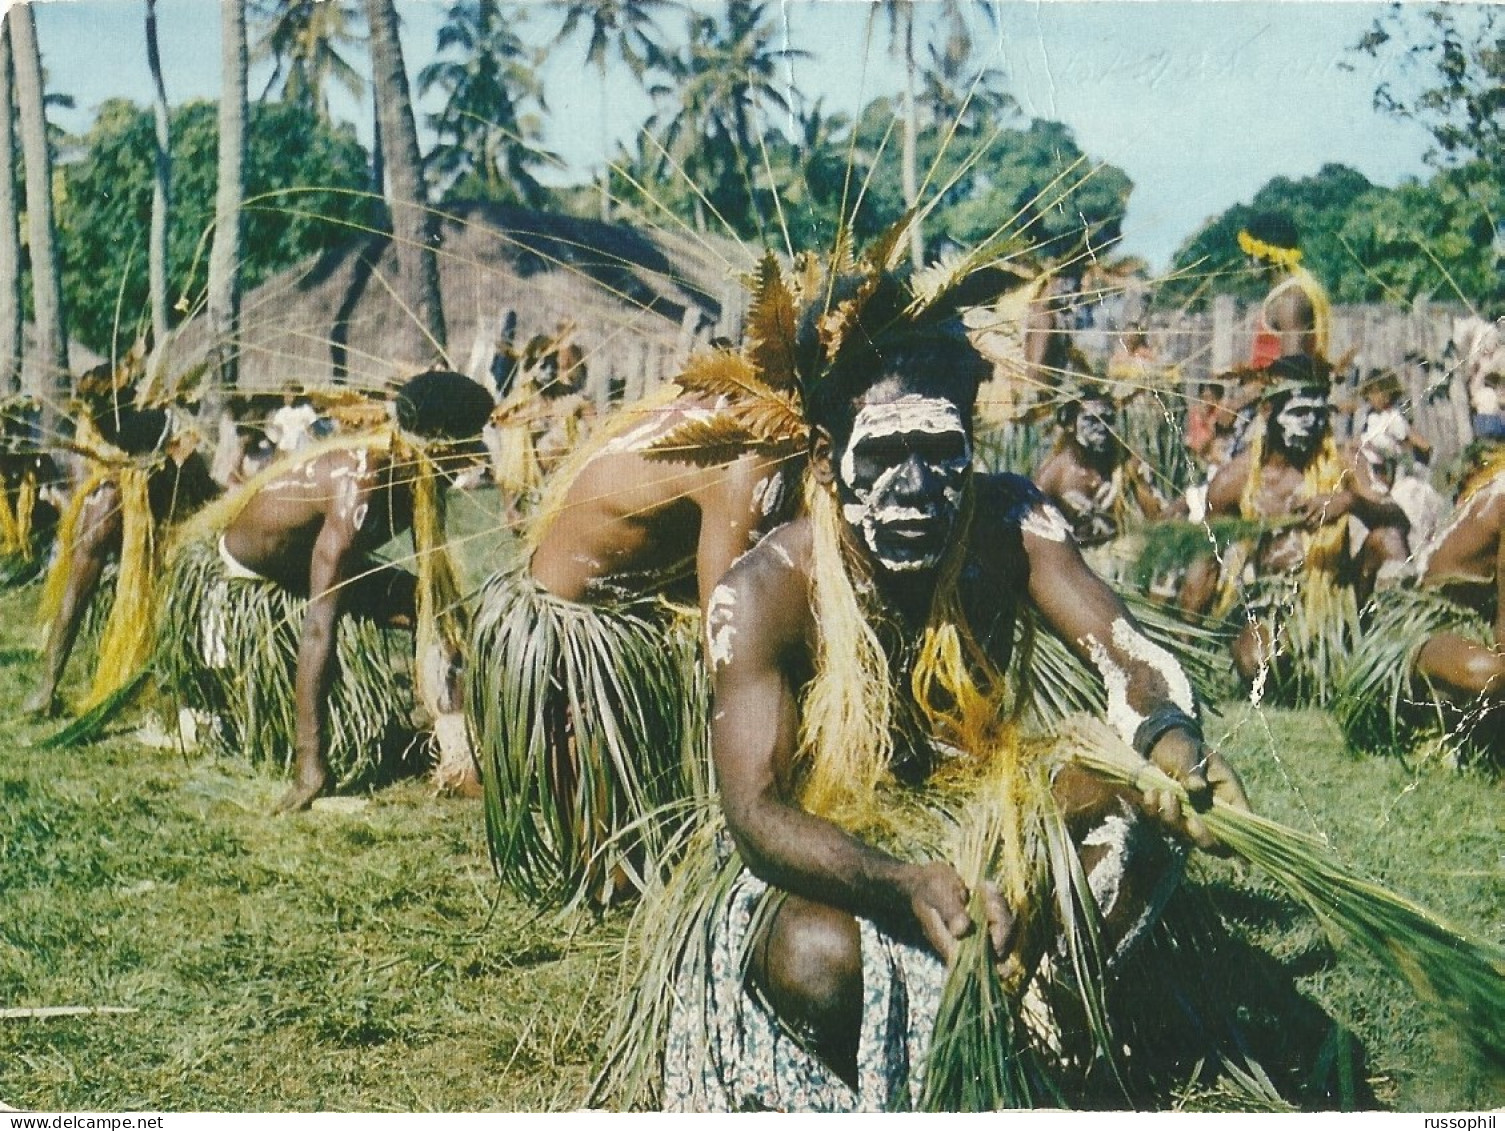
(591, 725)
(1383, 705)
(1315, 625)
(228, 648)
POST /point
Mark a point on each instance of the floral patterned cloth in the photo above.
(727, 1052)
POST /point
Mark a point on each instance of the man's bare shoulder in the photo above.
(767, 589)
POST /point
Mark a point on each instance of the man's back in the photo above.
(636, 522)
(274, 534)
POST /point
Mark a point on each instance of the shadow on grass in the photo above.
(1218, 1018)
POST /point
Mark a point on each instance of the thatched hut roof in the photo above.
(336, 319)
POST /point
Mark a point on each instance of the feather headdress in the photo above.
(805, 317)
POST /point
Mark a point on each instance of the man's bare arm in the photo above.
(758, 614)
(730, 514)
(1144, 681)
(1225, 492)
(329, 569)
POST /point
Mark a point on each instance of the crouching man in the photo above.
(861, 656)
(275, 612)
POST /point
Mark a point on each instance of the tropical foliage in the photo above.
(489, 127)
(1365, 242)
(106, 206)
(1461, 48)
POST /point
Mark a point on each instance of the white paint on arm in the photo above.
(1046, 521)
(1122, 717)
(719, 629)
(1135, 645)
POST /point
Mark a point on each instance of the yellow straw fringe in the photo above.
(16, 519)
(126, 641)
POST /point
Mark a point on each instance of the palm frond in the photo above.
(703, 442)
(1462, 975)
(90, 725)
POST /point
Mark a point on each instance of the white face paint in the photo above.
(901, 478)
(1047, 522)
(719, 629)
(1093, 430)
(1301, 423)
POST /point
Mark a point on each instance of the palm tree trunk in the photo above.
(413, 228)
(378, 171)
(605, 151)
(10, 237)
(224, 251)
(909, 171)
(51, 384)
(161, 192)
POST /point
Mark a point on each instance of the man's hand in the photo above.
(938, 900)
(1204, 774)
(1324, 509)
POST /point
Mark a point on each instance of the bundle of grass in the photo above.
(1445, 966)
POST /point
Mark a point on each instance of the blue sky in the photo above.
(1200, 103)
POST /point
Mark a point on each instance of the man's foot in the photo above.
(302, 794)
(455, 772)
(43, 703)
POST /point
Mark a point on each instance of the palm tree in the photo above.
(413, 228)
(626, 26)
(901, 15)
(728, 72)
(304, 40)
(824, 167)
(224, 250)
(161, 186)
(46, 277)
(488, 140)
(949, 64)
(954, 90)
(10, 238)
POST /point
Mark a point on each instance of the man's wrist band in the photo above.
(1166, 717)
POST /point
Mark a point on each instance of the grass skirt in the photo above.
(228, 647)
(692, 1036)
(1381, 703)
(590, 723)
(1315, 625)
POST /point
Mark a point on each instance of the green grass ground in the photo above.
(366, 960)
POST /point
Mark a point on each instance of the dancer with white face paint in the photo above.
(826, 955)
(1099, 485)
(1303, 586)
